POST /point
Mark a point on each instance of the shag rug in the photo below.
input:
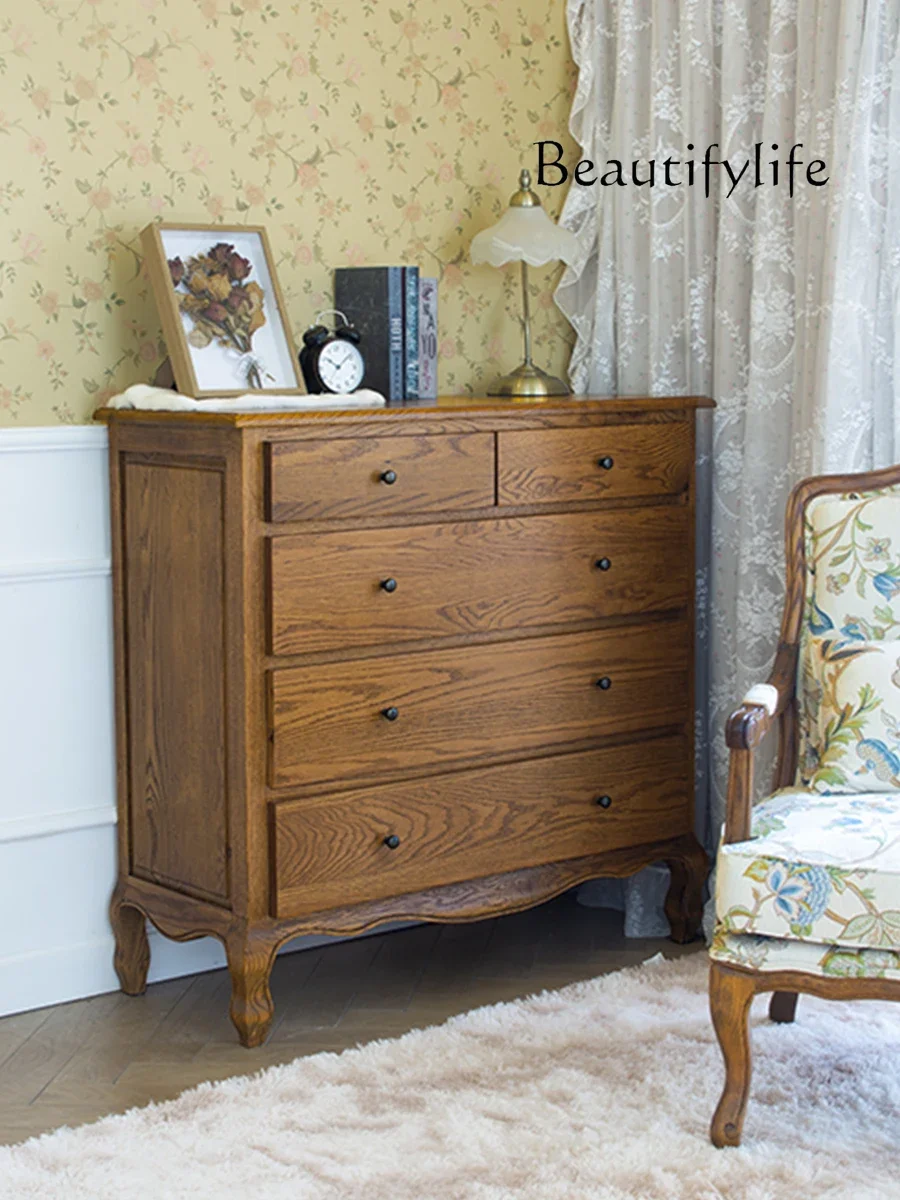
(603, 1089)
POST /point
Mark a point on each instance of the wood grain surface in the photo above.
(475, 576)
(472, 703)
(458, 826)
(174, 580)
(342, 477)
(548, 466)
(251, 650)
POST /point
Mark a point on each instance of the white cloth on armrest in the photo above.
(765, 695)
(142, 396)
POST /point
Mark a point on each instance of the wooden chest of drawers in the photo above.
(431, 662)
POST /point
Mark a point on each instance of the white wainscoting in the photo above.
(57, 770)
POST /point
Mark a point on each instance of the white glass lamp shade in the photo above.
(523, 235)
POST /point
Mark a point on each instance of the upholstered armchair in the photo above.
(808, 879)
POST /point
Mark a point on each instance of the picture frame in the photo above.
(222, 310)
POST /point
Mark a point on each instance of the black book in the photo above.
(371, 298)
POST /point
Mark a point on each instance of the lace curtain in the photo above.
(784, 310)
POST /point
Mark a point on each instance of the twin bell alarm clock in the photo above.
(331, 360)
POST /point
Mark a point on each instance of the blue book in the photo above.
(411, 332)
(371, 298)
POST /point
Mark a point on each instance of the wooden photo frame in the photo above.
(222, 311)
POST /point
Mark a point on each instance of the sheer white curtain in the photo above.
(784, 310)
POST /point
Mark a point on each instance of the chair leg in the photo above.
(782, 1007)
(730, 994)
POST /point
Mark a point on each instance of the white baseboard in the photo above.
(76, 970)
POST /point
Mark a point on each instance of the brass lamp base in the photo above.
(527, 382)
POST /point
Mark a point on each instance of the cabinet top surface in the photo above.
(444, 407)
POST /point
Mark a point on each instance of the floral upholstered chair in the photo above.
(808, 880)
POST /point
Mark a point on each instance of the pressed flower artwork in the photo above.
(220, 308)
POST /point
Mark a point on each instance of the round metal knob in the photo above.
(389, 585)
(390, 714)
(605, 462)
(604, 683)
(604, 801)
(388, 476)
(392, 841)
(603, 564)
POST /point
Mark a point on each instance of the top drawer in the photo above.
(552, 466)
(351, 477)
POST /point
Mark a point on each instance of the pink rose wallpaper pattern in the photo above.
(356, 131)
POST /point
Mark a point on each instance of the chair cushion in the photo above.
(779, 954)
(849, 673)
(818, 868)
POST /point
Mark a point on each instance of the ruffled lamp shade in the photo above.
(525, 234)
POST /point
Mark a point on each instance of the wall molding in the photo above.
(36, 825)
(43, 572)
(54, 438)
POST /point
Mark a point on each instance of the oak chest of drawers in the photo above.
(428, 662)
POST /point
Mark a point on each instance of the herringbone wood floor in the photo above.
(75, 1062)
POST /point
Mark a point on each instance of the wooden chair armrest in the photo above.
(745, 730)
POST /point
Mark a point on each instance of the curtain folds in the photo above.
(783, 309)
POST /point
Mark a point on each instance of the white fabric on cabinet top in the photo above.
(142, 396)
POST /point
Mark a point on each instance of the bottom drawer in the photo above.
(383, 841)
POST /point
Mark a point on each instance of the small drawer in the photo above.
(373, 587)
(422, 712)
(389, 840)
(552, 466)
(352, 477)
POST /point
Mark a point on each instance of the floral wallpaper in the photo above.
(357, 131)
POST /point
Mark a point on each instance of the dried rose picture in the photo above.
(214, 290)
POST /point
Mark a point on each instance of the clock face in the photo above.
(340, 366)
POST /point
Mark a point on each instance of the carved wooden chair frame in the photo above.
(732, 988)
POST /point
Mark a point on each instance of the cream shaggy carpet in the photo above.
(603, 1089)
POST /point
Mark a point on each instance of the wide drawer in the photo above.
(411, 712)
(550, 466)
(384, 841)
(351, 477)
(380, 586)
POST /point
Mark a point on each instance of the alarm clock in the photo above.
(331, 360)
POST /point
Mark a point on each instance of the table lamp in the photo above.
(525, 234)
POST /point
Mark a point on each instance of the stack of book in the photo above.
(395, 312)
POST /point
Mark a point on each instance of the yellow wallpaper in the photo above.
(357, 131)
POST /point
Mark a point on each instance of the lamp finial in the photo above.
(524, 197)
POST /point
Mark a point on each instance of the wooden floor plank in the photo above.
(111, 1047)
(17, 1029)
(41, 1057)
(330, 988)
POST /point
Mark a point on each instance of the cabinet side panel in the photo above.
(174, 560)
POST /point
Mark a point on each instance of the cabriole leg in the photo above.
(730, 995)
(250, 957)
(132, 954)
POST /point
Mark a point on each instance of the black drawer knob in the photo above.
(604, 801)
(602, 564)
(388, 476)
(392, 841)
(389, 585)
(604, 683)
(390, 714)
(605, 462)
